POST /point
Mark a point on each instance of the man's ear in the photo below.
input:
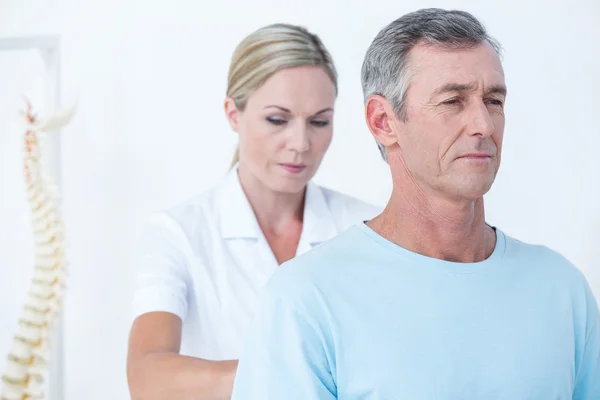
(380, 118)
(232, 113)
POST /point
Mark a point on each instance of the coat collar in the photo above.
(237, 219)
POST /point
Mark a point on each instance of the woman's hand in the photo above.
(156, 370)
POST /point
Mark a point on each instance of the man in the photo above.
(427, 301)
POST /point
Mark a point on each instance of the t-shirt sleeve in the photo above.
(587, 381)
(160, 272)
(284, 357)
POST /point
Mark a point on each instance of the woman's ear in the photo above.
(381, 119)
(232, 113)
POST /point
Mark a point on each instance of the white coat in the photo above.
(206, 260)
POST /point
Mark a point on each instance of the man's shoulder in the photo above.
(551, 270)
(310, 272)
(542, 259)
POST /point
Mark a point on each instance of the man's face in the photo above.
(451, 139)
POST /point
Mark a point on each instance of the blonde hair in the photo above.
(268, 50)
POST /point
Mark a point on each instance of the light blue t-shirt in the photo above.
(362, 318)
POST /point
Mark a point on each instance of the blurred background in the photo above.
(149, 79)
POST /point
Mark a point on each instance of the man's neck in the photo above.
(436, 228)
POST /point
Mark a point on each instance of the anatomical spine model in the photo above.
(29, 354)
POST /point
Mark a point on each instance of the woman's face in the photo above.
(286, 127)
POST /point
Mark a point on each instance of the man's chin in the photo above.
(477, 192)
(474, 187)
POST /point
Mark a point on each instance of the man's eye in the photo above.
(496, 102)
(451, 101)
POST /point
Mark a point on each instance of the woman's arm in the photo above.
(156, 370)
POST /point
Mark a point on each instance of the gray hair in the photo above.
(385, 69)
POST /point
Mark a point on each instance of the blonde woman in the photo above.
(204, 262)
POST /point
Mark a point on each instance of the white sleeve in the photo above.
(160, 271)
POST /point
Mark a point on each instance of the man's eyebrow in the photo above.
(499, 89)
(462, 87)
(454, 87)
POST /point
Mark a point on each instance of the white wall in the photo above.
(149, 131)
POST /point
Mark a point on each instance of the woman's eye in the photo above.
(276, 121)
(320, 123)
